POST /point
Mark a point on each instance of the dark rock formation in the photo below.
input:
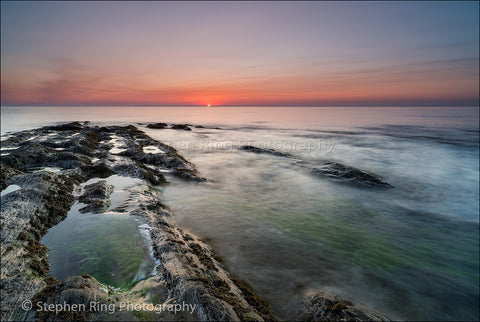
(81, 290)
(26, 215)
(206, 127)
(342, 173)
(77, 153)
(192, 272)
(181, 127)
(250, 148)
(73, 126)
(187, 174)
(157, 125)
(107, 304)
(332, 170)
(5, 173)
(28, 155)
(96, 196)
(322, 307)
(98, 170)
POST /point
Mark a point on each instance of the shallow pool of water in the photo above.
(110, 246)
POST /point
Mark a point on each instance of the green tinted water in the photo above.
(410, 252)
(108, 246)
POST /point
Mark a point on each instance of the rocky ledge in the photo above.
(332, 170)
(346, 174)
(186, 127)
(164, 126)
(47, 167)
(319, 306)
(254, 149)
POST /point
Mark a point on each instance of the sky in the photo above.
(269, 53)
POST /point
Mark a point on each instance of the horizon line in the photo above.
(242, 105)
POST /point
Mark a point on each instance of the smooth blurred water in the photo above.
(411, 252)
(14, 118)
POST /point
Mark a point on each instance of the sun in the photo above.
(208, 105)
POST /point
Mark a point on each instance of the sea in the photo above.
(409, 252)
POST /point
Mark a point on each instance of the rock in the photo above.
(139, 170)
(332, 170)
(100, 170)
(73, 126)
(322, 307)
(96, 196)
(28, 155)
(181, 127)
(45, 198)
(18, 138)
(192, 271)
(157, 125)
(5, 173)
(92, 139)
(43, 201)
(67, 160)
(204, 127)
(348, 174)
(160, 160)
(80, 290)
(187, 174)
(250, 148)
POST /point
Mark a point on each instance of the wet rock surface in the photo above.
(186, 127)
(319, 306)
(157, 125)
(108, 304)
(191, 269)
(96, 196)
(348, 174)
(181, 127)
(332, 170)
(250, 148)
(5, 173)
(26, 214)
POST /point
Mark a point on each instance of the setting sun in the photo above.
(208, 105)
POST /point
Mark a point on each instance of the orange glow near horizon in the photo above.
(344, 88)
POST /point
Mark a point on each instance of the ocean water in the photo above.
(411, 252)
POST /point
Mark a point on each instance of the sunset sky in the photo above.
(240, 53)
